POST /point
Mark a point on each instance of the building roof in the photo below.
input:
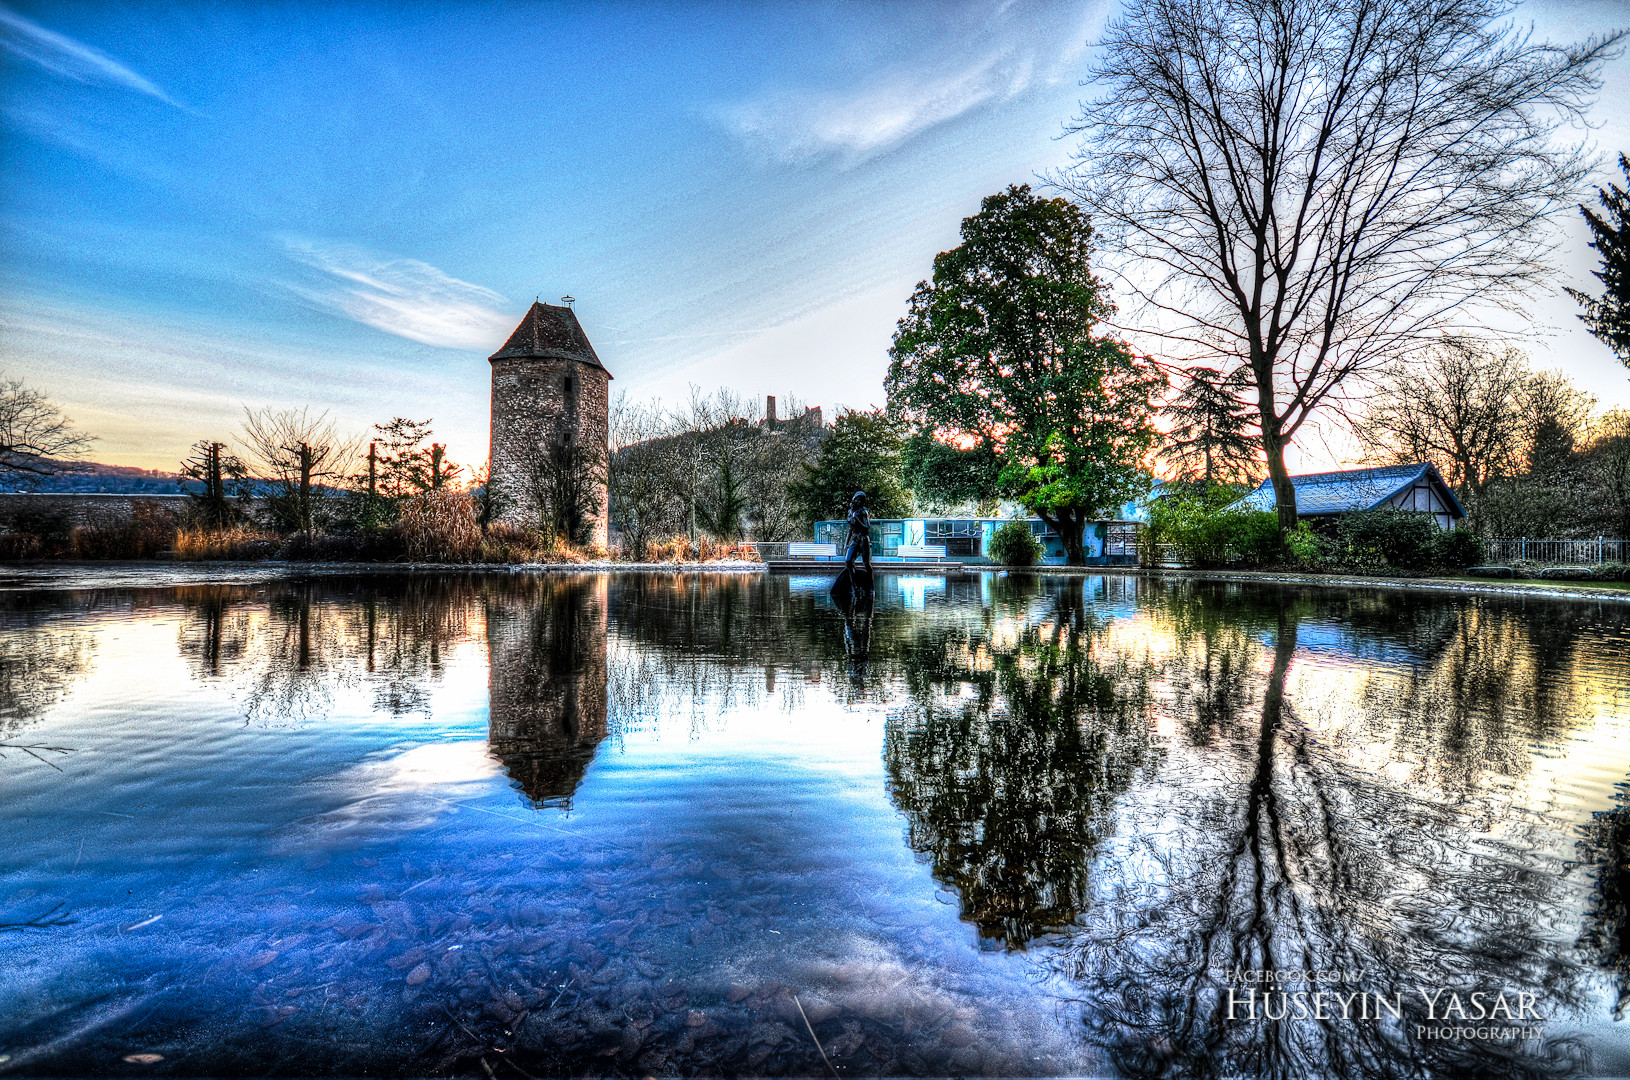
(1352, 489)
(549, 332)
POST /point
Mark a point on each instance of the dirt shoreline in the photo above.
(104, 575)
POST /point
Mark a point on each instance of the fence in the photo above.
(1599, 550)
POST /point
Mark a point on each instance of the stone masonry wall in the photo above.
(82, 507)
(530, 410)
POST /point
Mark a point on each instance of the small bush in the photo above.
(149, 530)
(1459, 549)
(1369, 539)
(440, 525)
(675, 549)
(1612, 571)
(1207, 534)
(232, 544)
(1013, 544)
(1305, 546)
(50, 527)
(727, 551)
(504, 542)
(679, 549)
(19, 547)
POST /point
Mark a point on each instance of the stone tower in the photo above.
(548, 389)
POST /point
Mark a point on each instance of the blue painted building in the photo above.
(1111, 542)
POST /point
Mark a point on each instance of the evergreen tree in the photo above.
(1609, 317)
(861, 454)
(1209, 439)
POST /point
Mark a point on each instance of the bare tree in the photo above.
(712, 465)
(34, 435)
(637, 473)
(1459, 405)
(563, 485)
(1556, 417)
(1608, 458)
(1316, 188)
(296, 454)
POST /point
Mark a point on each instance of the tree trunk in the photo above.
(1284, 492)
(306, 516)
(1071, 526)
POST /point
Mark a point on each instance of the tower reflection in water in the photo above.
(547, 683)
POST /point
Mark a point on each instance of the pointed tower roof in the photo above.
(549, 332)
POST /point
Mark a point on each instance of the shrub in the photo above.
(38, 534)
(679, 549)
(234, 544)
(1459, 549)
(1305, 546)
(1013, 544)
(1612, 571)
(1206, 531)
(149, 530)
(506, 542)
(1388, 537)
(439, 525)
(675, 549)
(710, 550)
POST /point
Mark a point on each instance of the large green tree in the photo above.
(1609, 317)
(999, 350)
(861, 453)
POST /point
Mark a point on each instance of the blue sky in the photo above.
(349, 206)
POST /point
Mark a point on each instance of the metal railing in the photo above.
(1577, 552)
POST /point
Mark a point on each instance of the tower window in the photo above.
(568, 384)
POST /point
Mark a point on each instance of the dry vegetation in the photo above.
(441, 525)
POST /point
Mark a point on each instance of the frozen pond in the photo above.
(679, 825)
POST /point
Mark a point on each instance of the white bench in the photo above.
(810, 551)
(920, 551)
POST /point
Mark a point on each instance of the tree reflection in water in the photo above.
(1287, 855)
(41, 657)
(1606, 939)
(38, 666)
(1010, 791)
(293, 643)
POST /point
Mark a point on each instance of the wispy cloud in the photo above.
(404, 297)
(992, 57)
(798, 125)
(69, 58)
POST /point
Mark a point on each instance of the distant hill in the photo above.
(90, 476)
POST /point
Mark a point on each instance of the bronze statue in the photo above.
(860, 537)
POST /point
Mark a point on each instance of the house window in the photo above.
(568, 386)
(960, 536)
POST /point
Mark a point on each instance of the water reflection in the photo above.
(547, 696)
(857, 633)
(1606, 939)
(1146, 789)
(291, 646)
(1287, 857)
(42, 656)
(1008, 761)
